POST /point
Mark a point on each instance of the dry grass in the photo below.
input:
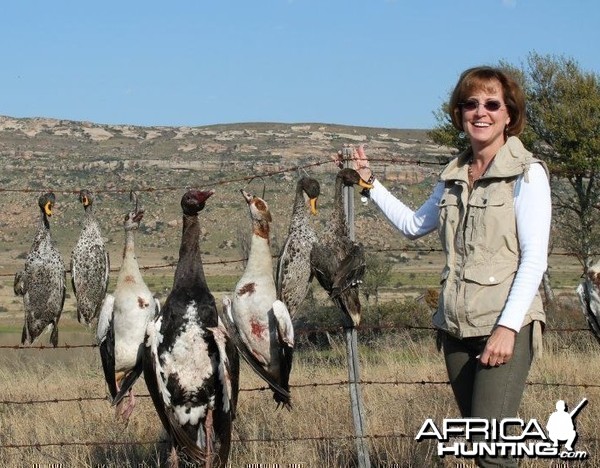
(317, 432)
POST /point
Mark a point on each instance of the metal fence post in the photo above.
(356, 401)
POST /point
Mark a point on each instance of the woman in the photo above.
(492, 210)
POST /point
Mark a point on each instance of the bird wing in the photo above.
(323, 265)
(152, 371)
(131, 376)
(105, 317)
(348, 302)
(186, 443)
(105, 337)
(234, 365)
(285, 327)
(340, 278)
(156, 308)
(227, 317)
(589, 296)
(282, 265)
(285, 330)
(62, 291)
(225, 371)
(351, 270)
(73, 269)
(106, 269)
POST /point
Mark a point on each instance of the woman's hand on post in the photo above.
(361, 163)
(358, 159)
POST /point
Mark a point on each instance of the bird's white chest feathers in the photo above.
(255, 291)
(190, 362)
(132, 311)
(189, 357)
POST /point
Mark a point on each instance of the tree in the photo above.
(563, 114)
(378, 274)
(445, 134)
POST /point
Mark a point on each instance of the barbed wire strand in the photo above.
(38, 445)
(250, 178)
(301, 332)
(340, 383)
(173, 264)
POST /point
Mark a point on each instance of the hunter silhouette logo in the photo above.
(561, 425)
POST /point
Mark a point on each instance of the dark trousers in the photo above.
(487, 392)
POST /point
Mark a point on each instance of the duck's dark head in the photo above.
(134, 217)
(259, 210)
(86, 198)
(312, 189)
(193, 201)
(351, 177)
(46, 203)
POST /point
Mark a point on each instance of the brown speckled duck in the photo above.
(90, 264)
(43, 281)
(293, 267)
(337, 262)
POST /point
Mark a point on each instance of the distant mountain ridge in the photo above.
(39, 154)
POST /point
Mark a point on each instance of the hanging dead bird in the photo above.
(338, 262)
(122, 322)
(190, 366)
(293, 267)
(589, 296)
(259, 323)
(90, 264)
(42, 283)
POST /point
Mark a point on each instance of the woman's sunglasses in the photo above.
(472, 104)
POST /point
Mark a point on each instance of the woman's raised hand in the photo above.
(361, 163)
(358, 158)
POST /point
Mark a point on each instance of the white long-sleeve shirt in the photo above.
(533, 210)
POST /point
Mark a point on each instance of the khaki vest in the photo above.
(479, 237)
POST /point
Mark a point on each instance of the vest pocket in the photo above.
(487, 212)
(486, 289)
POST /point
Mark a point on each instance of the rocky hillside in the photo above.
(160, 162)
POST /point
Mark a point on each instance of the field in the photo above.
(53, 408)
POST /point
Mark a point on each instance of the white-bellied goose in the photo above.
(589, 296)
(260, 324)
(190, 366)
(122, 322)
(293, 266)
(42, 282)
(90, 264)
(337, 262)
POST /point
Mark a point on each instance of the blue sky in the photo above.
(375, 63)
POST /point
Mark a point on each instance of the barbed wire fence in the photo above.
(311, 385)
(338, 383)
